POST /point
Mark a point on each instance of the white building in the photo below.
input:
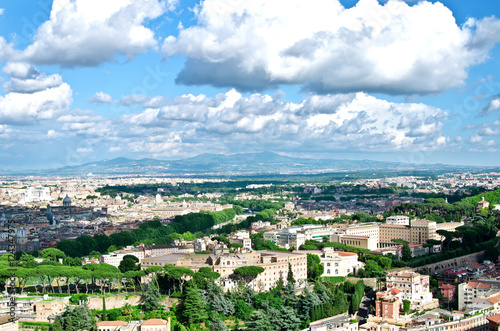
(399, 220)
(36, 194)
(241, 237)
(336, 263)
(295, 236)
(114, 258)
(415, 288)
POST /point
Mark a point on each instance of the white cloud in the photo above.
(391, 48)
(155, 102)
(90, 32)
(84, 150)
(6, 50)
(100, 98)
(492, 106)
(324, 123)
(25, 78)
(133, 99)
(2, 11)
(475, 138)
(22, 108)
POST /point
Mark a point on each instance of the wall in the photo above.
(118, 301)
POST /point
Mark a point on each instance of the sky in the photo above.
(406, 81)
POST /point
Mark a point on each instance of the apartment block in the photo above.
(414, 287)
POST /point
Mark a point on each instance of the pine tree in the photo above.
(151, 299)
(56, 326)
(216, 324)
(192, 308)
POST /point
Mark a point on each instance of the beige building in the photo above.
(49, 307)
(275, 266)
(8, 323)
(154, 324)
(355, 241)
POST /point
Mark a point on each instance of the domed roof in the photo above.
(67, 199)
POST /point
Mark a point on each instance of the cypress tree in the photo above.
(104, 317)
(289, 277)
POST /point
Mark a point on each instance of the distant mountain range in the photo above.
(265, 163)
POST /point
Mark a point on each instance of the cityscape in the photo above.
(219, 165)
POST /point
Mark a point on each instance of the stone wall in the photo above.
(446, 264)
(118, 301)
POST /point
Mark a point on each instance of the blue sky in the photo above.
(410, 81)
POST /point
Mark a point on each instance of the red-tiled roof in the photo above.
(494, 318)
(155, 321)
(111, 323)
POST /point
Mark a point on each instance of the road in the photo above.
(364, 307)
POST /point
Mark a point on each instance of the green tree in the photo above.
(56, 326)
(151, 299)
(216, 324)
(406, 306)
(290, 279)
(248, 273)
(129, 263)
(192, 307)
(314, 267)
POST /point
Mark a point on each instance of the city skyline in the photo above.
(404, 81)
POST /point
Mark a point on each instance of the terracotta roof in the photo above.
(155, 321)
(494, 318)
(473, 284)
(346, 253)
(494, 299)
(111, 323)
(446, 286)
(484, 286)
(395, 291)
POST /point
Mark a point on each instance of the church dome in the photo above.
(67, 201)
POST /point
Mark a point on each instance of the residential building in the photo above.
(448, 291)
(414, 287)
(388, 303)
(336, 263)
(494, 323)
(241, 237)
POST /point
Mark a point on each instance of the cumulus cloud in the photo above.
(100, 98)
(390, 48)
(155, 102)
(86, 123)
(25, 78)
(135, 99)
(492, 106)
(98, 30)
(319, 123)
(32, 95)
(22, 108)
